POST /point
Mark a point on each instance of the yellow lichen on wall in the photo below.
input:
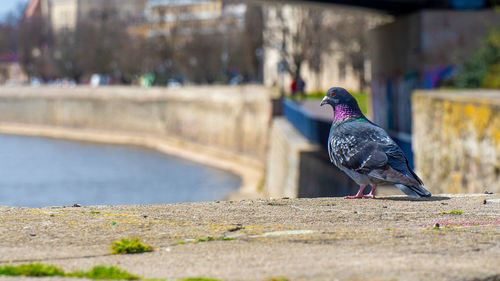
(456, 140)
(480, 116)
(453, 118)
(495, 130)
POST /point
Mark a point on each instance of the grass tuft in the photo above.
(456, 212)
(206, 239)
(31, 269)
(44, 270)
(436, 226)
(199, 279)
(226, 238)
(101, 272)
(129, 246)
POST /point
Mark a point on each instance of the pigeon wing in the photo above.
(367, 149)
(353, 148)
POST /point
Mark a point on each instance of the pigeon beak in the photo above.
(324, 101)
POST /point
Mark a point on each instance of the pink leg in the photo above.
(372, 193)
(359, 194)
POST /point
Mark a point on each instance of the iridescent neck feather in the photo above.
(342, 112)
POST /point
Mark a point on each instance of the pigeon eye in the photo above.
(332, 94)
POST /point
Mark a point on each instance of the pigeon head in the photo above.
(344, 104)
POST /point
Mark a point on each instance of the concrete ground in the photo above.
(389, 238)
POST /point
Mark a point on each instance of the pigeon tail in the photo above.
(413, 191)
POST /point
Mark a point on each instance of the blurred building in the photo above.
(183, 17)
(65, 14)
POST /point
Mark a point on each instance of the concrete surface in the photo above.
(389, 238)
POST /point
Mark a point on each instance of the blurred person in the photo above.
(293, 88)
(301, 87)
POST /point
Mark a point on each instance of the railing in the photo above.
(316, 130)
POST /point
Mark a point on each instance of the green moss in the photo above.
(206, 239)
(275, 203)
(31, 269)
(456, 212)
(44, 270)
(101, 272)
(226, 238)
(95, 212)
(389, 229)
(199, 279)
(129, 246)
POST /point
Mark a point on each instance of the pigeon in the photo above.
(364, 151)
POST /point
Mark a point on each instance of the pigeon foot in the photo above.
(358, 195)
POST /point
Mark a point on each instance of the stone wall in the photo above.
(230, 120)
(456, 138)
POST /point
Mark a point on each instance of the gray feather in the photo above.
(414, 191)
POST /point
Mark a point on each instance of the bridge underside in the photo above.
(401, 7)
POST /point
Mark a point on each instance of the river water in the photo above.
(38, 172)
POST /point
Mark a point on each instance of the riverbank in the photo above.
(449, 237)
(250, 173)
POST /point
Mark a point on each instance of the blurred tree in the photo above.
(99, 44)
(160, 57)
(311, 34)
(8, 43)
(35, 41)
(8, 34)
(306, 38)
(483, 68)
(201, 58)
(250, 47)
(351, 36)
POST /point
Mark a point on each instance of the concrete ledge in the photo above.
(456, 140)
(231, 119)
(389, 238)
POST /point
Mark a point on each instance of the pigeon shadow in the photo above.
(405, 198)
